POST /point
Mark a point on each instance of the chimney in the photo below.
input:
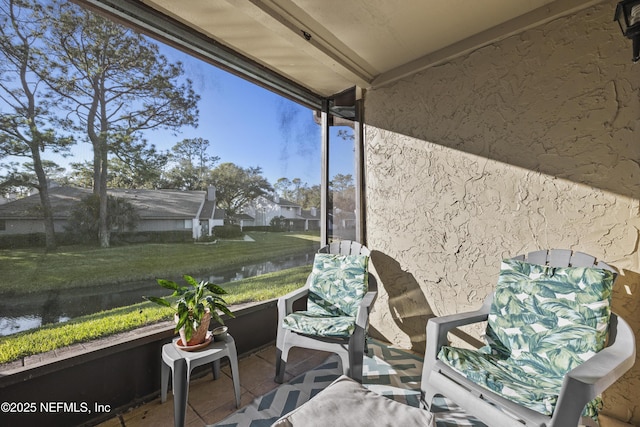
(211, 193)
(313, 211)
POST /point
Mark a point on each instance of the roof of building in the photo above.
(306, 214)
(244, 216)
(219, 214)
(208, 209)
(149, 204)
(285, 202)
(280, 201)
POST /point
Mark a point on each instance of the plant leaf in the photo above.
(213, 288)
(159, 301)
(215, 316)
(169, 284)
(225, 310)
(190, 280)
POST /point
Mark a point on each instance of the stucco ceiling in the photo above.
(328, 46)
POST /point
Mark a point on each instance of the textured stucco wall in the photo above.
(532, 142)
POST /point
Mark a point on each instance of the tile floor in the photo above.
(211, 401)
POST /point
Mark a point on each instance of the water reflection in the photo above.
(23, 313)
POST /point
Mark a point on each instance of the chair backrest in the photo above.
(551, 307)
(323, 296)
(563, 258)
(345, 247)
(337, 284)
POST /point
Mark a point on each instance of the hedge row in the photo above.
(227, 231)
(17, 241)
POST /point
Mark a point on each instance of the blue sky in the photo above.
(242, 122)
(246, 125)
(249, 126)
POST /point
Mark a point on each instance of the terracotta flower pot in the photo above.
(200, 334)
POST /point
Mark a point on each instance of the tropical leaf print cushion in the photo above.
(544, 321)
(554, 316)
(336, 287)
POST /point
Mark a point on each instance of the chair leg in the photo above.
(235, 374)
(180, 391)
(215, 368)
(357, 346)
(355, 364)
(426, 398)
(164, 381)
(281, 364)
(345, 360)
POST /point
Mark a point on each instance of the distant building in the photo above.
(264, 208)
(159, 210)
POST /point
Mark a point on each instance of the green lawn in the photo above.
(26, 271)
(51, 337)
(23, 271)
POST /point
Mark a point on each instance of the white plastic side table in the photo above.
(181, 363)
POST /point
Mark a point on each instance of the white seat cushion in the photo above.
(347, 403)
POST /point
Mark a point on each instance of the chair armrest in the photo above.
(362, 318)
(437, 330)
(591, 378)
(610, 363)
(285, 302)
(438, 327)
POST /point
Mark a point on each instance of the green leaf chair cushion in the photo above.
(534, 390)
(544, 321)
(336, 287)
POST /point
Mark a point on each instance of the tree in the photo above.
(298, 192)
(118, 85)
(28, 125)
(343, 192)
(192, 165)
(310, 197)
(283, 188)
(21, 177)
(237, 186)
(141, 171)
(85, 217)
(298, 188)
(81, 174)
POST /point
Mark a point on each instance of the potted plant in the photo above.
(195, 305)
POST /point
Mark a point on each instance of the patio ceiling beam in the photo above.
(286, 18)
(157, 25)
(517, 25)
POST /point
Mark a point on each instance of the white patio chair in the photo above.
(340, 294)
(540, 369)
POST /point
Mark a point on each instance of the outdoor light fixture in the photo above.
(628, 17)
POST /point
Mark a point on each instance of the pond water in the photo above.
(23, 313)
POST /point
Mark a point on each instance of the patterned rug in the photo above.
(387, 371)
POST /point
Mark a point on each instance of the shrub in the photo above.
(278, 223)
(133, 237)
(84, 219)
(227, 231)
(34, 240)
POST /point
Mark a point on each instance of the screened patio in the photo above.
(481, 132)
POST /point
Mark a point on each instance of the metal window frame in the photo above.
(161, 27)
(178, 35)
